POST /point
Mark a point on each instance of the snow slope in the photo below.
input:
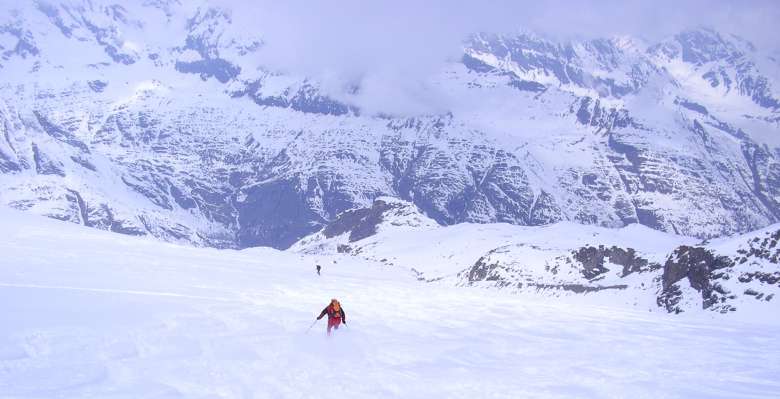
(635, 266)
(87, 313)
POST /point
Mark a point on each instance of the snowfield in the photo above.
(86, 313)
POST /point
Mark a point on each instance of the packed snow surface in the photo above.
(85, 313)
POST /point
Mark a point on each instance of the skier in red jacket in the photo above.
(335, 313)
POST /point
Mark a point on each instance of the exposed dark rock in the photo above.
(495, 182)
(526, 85)
(764, 277)
(556, 60)
(75, 197)
(360, 223)
(59, 133)
(45, 165)
(84, 163)
(25, 45)
(106, 38)
(220, 69)
(183, 201)
(483, 271)
(765, 248)
(592, 113)
(53, 13)
(151, 192)
(275, 214)
(578, 288)
(589, 179)
(306, 99)
(214, 201)
(696, 264)
(492, 271)
(765, 183)
(7, 164)
(670, 298)
(693, 106)
(120, 226)
(97, 85)
(592, 260)
(475, 64)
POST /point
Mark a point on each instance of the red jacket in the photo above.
(333, 314)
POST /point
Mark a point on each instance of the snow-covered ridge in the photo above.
(167, 124)
(634, 265)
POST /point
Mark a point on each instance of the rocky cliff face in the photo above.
(165, 123)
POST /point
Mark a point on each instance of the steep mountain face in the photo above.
(160, 119)
(632, 265)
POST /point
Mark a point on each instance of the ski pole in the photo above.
(312, 325)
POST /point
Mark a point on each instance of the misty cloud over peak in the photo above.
(381, 55)
(389, 49)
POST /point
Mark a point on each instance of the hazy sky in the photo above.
(392, 43)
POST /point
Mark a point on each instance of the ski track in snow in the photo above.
(85, 313)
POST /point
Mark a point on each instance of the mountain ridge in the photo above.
(167, 125)
(633, 265)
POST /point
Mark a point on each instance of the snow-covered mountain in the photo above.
(160, 118)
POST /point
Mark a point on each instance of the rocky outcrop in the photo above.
(582, 272)
(485, 270)
(698, 266)
(491, 271)
(692, 277)
(765, 248)
(360, 223)
(593, 259)
(754, 266)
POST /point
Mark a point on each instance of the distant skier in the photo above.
(335, 313)
(318, 269)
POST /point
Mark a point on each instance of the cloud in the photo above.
(388, 48)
